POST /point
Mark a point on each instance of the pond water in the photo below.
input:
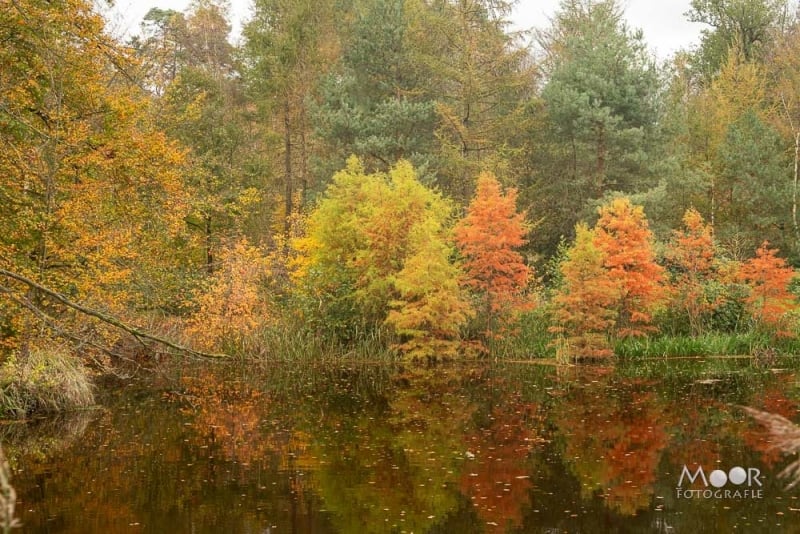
(361, 449)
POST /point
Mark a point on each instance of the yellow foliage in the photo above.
(739, 88)
(91, 193)
(431, 308)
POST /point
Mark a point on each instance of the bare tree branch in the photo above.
(139, 334)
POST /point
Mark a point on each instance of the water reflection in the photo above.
(371, 449)
(612, 438)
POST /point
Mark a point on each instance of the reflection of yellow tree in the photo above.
(613, 444)
(397, 468)
(497, 480)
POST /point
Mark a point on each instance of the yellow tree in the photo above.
(431, 308)
(92, 196)
(376, 254)
(585, 304)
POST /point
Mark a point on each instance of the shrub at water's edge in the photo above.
(43, 380)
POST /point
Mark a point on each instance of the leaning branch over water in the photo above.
(137, 333)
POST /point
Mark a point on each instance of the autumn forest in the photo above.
(394, 179)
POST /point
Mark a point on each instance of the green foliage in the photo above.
(730, 314)
(287, 339)
(531, 339)
(373, 104)
(755, 191)
(600, 115)
(481, 79)
(747, 24)
(712, 344)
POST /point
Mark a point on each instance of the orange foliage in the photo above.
(498, 481)
(768, 277)
(622, 233)
(232, 307)
(693, 248)
(227, 414)
(692, 254)
(487, 238)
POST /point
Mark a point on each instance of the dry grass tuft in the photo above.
(44, 380)
(786, 438)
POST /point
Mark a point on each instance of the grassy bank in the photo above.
(43, 380)
(715, 344)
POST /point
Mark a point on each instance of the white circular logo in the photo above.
(718, 478)
(737, 475)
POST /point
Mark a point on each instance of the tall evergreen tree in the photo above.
(601, 106)
(482, 78)
(374, 103)
(288, 45)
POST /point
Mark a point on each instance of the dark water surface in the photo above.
(360, 449)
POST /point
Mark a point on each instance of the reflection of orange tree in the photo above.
(228, 419)
(227, 416)
(691, 444)
(497, 479)
(613, 444)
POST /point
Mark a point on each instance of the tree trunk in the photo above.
(794, 188)
(303, 161)
(287, 162)
(209, 245)
(602, 153)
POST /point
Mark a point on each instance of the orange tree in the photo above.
(769, 301)
(233, 306)
(623, 235)
(487, 238)
(691, 257)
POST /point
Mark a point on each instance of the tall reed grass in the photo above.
(714, 344)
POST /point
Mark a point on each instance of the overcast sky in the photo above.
(663, 22)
